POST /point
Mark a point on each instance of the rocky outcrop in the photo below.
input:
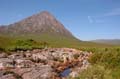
(44, 63)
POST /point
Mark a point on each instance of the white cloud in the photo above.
(90, 19)
(114, 12)
(101, 18)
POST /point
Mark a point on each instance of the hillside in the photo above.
(108, 41)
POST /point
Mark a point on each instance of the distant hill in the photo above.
(108, 41)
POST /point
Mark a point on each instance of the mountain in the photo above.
(41, 27)
(41, 23)
(108, 41)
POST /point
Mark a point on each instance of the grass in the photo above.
(105, 64)
(9, 42)
(109, 58)
(95, 72)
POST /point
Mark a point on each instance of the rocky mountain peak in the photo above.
(43, 22)
(45, 13)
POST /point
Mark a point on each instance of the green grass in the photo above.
(105, 64)
(95, 72)
(8, 42)
(109, 58)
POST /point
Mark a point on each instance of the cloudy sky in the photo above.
(86, 19)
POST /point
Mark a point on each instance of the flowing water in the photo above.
(65, 73)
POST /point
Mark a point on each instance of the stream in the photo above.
(65, 73)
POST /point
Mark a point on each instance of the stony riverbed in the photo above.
(50, 63)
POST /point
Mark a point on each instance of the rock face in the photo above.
(43, 63)
(41, 23)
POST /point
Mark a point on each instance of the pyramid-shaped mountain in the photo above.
(41, 23)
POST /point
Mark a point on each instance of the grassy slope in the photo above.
(5, 41)
(53, 41)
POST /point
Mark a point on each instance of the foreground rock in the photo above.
(43, 63)
(9, 76)
(42, 72)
